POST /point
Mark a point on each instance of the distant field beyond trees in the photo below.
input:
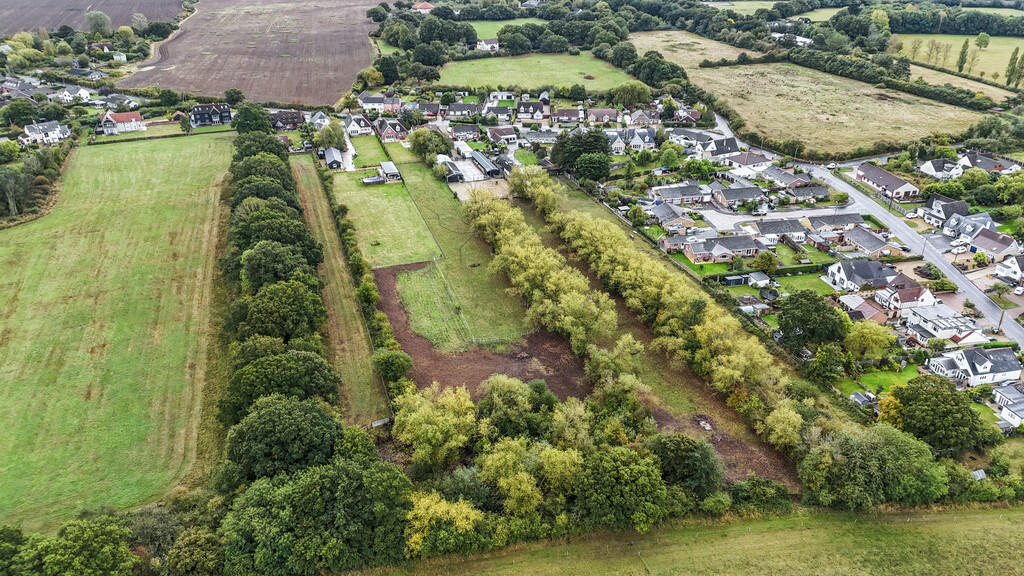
(105, 305)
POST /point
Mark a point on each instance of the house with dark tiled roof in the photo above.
(687, 137)
(719, 149)
(681, 193)
(937, 320)
(287, 119)
(488, 45)
(733, 197)
(634, 139)
(808, 194)
(464, 132)
(390, 129)
(855, 274)
(640, 118)
(218, 114)
(885, 182)
(530, 111)
(1010, 399)
(379, 103)
(721, 248)
(358, 125)
(457, 110)
(771, 232)
(672, 218)
(967, 227)
(784, 178)
(938, 208)
(988, 163)
(976, 366)
(44, 133)
(504, 114)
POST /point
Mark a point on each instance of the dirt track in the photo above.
(541, 355)
(307, 52)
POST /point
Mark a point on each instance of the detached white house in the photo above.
(118, 122)
(46, 133)
(976, 366)
(852, 275)
(1010, 398)
(70, 95)
(487, 44)
(1011, 269)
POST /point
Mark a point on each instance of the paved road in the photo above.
(908, 235)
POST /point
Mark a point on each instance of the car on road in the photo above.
(1018, 290)
(832, 166)
(959, 250)
(960, 242)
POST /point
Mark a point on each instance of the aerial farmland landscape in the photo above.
(511, 287)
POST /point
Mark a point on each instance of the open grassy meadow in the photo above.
(368, 151)
(990, 60)
(390, 229)
(976, 542)
(685, 48)
(105, 317)
(489, 28)
(743, 7)
(489, 309)
(534, 71)
(362, 393)
(433, 313)
(819, 15)
(939, 78)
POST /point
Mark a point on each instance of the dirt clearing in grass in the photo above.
(540, 355)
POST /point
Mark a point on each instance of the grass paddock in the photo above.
(104, 329)
(535, 70)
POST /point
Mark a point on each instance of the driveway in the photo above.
(728, 221)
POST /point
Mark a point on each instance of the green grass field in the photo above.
(489, 309)
(818, 544)
(939, 78)
(885, 379)
(362, 394)
(489, 28)
(685, 48)
(400, 154)
(1000, 11)
(744, 7)
(990, 60)
(526, 156)
(105, 317)
(432, 312)
(154, 131)
(534, 71)
(819, 15)
(368, 150)
(805, 282)
(389, 228)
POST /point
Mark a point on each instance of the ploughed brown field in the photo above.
(287, 52)
(30, 15)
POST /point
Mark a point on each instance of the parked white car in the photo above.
(960, 242)
(959, 250)
(1018, 290)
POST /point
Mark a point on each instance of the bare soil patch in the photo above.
(304, 53)
(18, 15)
(540, 355)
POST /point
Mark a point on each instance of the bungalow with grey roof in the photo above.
(995, 245)
(457, 110)
(938, 208)
(885, 182)
(808, 194)
(602, 115)
(464, 132)
(784, 178)
(722, 248)
(869, 244)
(672, 219)
(832, 222)
(681, 193)
(733, 197)
(750, 160)
(771, 232)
